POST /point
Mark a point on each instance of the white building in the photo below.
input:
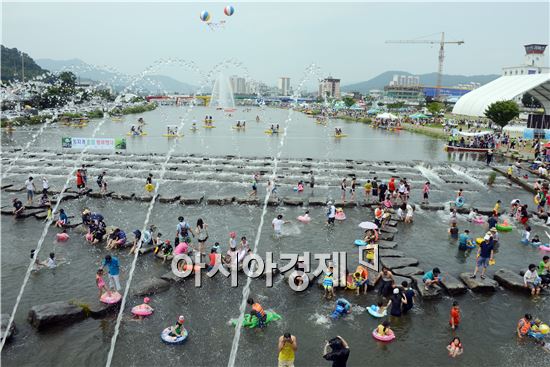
(329, 87)
(405, 81)
(238, 84)
(284, 86)
(533, 62)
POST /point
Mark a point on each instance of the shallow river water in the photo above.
(488, 323)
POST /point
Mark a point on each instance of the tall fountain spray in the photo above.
(222, 93)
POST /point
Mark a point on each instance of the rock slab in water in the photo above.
(317, 201)
(433, 207)
(478, 284)
(151, 286)
(169, 199)
(392, 223)
(452, 285)
(4, 333)
(386, 244)
(293, 201)
(219, 200)
(432, 292)
(387, 229)
(54, 314)
(398, 262)
(386, 236)
(509, 279)
(248, 201)
(118, 196)
(170, 276)
(408, 271)
(383, 252)
(191, 200)
(344, 204)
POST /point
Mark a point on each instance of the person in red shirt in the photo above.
(455, 316)
(79, 180)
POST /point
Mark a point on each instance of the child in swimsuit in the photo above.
(101, 283)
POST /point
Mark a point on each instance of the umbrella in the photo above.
(368, 225)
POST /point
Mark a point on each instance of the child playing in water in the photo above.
(384, 328)
(101, 283)
(144, 307)
(536, 240)
(368, 190)
(426, 192)
(455, 347)
(525, 237)
(328, 285)
(300, 186)
(359, 282)
(232, 239)
(455, 316)
(453, 231)
(178, 329)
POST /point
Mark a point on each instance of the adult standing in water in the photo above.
(287, 348)
(45, 186)
(149, 187)
(489, 156)
(343, 187)
(311, 181)
(114, 271)
(339, 352)
(29, 184)
(202, 234)
(331, 213)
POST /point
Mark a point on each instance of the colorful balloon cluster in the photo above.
(229, 10)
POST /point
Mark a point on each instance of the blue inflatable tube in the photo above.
(459, 202)
(360, 243)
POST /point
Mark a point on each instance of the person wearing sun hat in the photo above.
(178, 329)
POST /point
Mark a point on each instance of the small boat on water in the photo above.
(452, 148)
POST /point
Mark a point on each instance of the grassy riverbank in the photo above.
(135, 109)
(431, 131)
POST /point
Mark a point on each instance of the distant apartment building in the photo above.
(284, 86)
(405, 81)
(238, 84)
(329, 87)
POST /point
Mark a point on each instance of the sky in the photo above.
(345, 40)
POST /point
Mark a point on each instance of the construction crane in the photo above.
(442, 44)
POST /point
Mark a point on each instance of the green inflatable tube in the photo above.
(252, 321)
(503, 228)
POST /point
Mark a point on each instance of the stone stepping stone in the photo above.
(392, 223)
(4, 333)
(387, 244)
(219, 200)
(398, 262)
(390, 253)
(151, 286)
(144, 198)
(432, 292)
(293, 201)
(170, 276)
(452, 285)
(14, 189)
(169, 199)
(273, 201)
(347, 204)
(386, 236)
(55, 314)
(478, 284)
(248, 201)
(392, 230)
(317, 201)
(191, 200)
(408, 271)
(434, 207)
(118, 196)
(510, 280)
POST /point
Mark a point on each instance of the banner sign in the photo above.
(93, 143)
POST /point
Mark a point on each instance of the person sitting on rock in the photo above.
(431, 278)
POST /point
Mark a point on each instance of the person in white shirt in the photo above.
(29, 184)
(331, 214)
(531, 279)
(45, 185)
(277, 224)
(409, 215)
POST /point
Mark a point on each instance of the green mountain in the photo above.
(430, 79)
(15, 61)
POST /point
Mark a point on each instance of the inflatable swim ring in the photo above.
(503, 228)
(479, 220)
(142, 310)
(536, 199)
(544, 329)
(479, 240)
(304, 219)
(62, 237)
(208, 126)
(383, 338)
(132, 134)
(545, 247)
(171, 135)
(459, 202)
(340, 135)
(360, 243)
(373, 310)
(269, 132)
(149, 187)
(194, 268)
(340, 215)
(538, 336)
(169, 339)
(350, 282)
(536, 244)
(238, 127)
(252, 321)
(115, 297)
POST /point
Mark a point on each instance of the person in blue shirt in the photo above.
(431, 278)
(343, 307)
(464, 241)
(63, 219)
(409, 294)
(114, 271)
(485, 255)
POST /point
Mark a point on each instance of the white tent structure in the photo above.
(504, 88)
(386, 116)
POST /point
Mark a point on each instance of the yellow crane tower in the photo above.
(442, 44)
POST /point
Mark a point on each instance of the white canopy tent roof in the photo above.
(504, 88)
(481, 133)
(386, 115)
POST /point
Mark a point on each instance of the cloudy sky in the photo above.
(279, 39)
